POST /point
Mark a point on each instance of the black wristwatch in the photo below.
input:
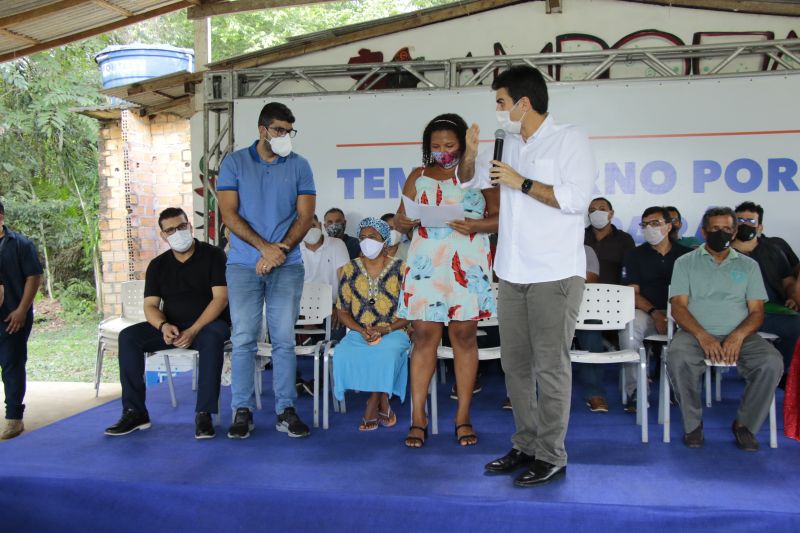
(652, 310)
(162, 325)
(526, 186)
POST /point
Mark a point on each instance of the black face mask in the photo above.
(745, 233)
(719, 240)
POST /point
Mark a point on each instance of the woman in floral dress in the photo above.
(447, 280)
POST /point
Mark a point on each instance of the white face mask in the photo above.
(371, 248)
(281, 146)
(395, 237)
(313, 235)
(181, 240)
(505, 122)
(653, 235)
(599, 219)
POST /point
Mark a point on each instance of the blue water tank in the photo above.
(123, 65)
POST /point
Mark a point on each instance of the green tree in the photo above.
(48, 159)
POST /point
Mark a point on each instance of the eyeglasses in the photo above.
(180, 227)
(281, 132)
(652, 223)
(749, 221)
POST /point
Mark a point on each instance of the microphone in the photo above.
(499, 135)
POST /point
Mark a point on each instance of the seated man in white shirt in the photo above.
(322, 257)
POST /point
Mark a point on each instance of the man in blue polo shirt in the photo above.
(21, 273)
(267, 199)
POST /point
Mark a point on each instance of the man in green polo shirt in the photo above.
(717, 300)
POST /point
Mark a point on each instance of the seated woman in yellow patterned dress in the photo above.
(373, 356)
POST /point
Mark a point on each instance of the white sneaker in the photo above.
(13, 429)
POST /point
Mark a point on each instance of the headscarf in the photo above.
(379, 225)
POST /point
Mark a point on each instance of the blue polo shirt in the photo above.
(18, 262)
(267, 198)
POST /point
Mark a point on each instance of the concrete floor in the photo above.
(48, 402)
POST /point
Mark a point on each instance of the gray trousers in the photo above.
(537, 322)
(759, 363)
(643, 326)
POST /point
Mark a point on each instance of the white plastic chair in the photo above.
(108, 330)
(316, 305)
(612, 307)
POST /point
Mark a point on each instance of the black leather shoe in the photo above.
(695, 439)
(540, 473)
(744, 439)
(510, 461)
(131, 421)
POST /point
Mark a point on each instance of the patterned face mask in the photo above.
(446, 160)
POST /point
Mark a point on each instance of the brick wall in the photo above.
(145, 166)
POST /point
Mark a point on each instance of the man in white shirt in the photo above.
(546, 180)
(323, 256)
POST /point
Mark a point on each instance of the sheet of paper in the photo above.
(432, 216)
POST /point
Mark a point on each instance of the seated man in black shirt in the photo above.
(189, 279)
(781, 311)
(648, 269)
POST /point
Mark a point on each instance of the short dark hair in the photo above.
(446, 122)
(171, 212)
(522, 81)
(387, 217)
(2, 209)
(603, 199)
(718, 212)
(274, 111)
(663, 211)
(753, 207)
(673, 208)
(333, 210)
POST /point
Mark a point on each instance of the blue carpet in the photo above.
(69, 477)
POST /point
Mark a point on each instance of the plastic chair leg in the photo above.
(325, 393)
(773, 429)
(442, 371)
(98, 367)
(434, 406)
(718, 372)
(708, 386)
(316, 389)
(641, 396)
(169, 381)
(622, 384)
(195, 364)
(257, 386)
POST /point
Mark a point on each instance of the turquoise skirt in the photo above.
(379, 368)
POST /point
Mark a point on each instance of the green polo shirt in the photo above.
(718, 293)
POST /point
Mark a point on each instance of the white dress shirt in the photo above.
(538, 243)
(321, 264)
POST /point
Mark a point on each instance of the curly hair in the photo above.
(446, 122)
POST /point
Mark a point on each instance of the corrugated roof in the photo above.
(28, 26)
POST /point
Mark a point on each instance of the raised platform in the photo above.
(69, 477)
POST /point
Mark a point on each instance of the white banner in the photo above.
(691, 144)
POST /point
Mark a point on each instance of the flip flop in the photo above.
(388, 419)
(368, 425)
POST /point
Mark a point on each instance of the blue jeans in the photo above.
(248, 295)
(590, 376)
(787, 327)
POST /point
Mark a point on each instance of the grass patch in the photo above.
(67, 351)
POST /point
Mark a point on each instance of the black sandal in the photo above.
(415, 440)
(462, 438)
